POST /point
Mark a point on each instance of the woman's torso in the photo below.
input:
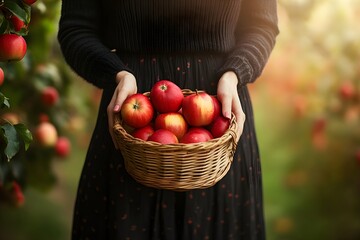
(163, 26)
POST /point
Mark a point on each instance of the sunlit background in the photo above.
(307, 111)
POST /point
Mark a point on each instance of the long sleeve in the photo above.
(80, 44)
(256, 33)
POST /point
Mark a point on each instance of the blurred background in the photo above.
(307, 111)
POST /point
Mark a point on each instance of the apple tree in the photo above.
(14, 136)
(36, 115)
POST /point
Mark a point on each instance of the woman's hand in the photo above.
(126, 86)
(229, 98)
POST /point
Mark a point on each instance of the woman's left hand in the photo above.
(230, 102)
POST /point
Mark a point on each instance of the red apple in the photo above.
(137, 111)
(347, 90)
(163, 136)
(217, 106)
(49, 96)
(12, 47)
(166, 96)
(46, 134)
(13, 118)
(17, 23)
(219, 126)
(2, 76)
(18, 195)
(173, 122)
(29, 2)
(196, 135)
(43, 117)
(62, 147)
(143, 133)
(198, 109)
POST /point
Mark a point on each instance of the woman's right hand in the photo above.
(126, 86)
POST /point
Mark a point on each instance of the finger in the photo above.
(240, 117)
(240, 120)
(118, 100)
(110, 114)
(225, 106)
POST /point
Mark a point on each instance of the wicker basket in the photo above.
(177, 167)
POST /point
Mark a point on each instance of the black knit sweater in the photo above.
(93, 34)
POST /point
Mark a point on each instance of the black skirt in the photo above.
(111, 205)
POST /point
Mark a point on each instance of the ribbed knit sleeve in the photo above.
(255, 38)
(81, 46)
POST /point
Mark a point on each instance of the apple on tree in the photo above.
(12, 47)
(62, 147)
(173, 122)
(17, 194)
(137, 111)
(2, 76)
(198, 109)
(43, 117)
(49, 96)
(347, 90)
(11, 117)
(166, 96)
(46, 134)
(29, 2)
(17, 23)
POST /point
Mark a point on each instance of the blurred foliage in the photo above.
(39, 91)
(313, 85)
(307, 111)
(15, 137)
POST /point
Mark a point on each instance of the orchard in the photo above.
(306, 107)
(35, 114)
(308, 102)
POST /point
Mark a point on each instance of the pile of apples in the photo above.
(167, 116)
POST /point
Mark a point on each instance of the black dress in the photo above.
(190, 42)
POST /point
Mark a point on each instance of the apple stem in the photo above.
(163, 87)
(136, 106)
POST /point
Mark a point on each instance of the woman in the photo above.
(124, 47)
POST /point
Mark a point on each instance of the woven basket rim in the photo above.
(128, 144)
(230, 133)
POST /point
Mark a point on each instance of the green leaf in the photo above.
(21, 11)
(4, 101)
(25, 134)
(2, 19)
(13, 144)
(3, 143)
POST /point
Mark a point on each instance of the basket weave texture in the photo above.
(177, 167)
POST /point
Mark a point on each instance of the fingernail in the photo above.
(227, 115)
(116, 108)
